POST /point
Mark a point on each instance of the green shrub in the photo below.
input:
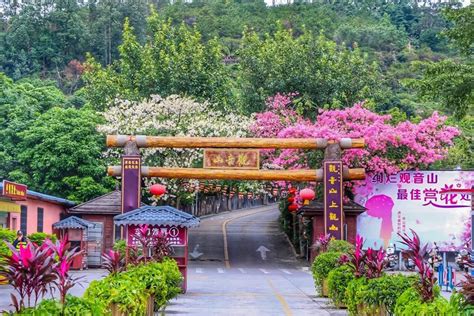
(6, 235)
(39, 238)
(173, 277)
(322, 265)
(131, 289)
(338, 279)
(75, 306)
(128, 293)
(458, 302)
(385, 291)
(410, 303)
(340, 246)
(354, 291)
(121, 247)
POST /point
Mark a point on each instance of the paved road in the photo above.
(230, 277)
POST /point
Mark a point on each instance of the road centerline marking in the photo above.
(285, 271)
(219, 270)
(280, 298)
(264, 271)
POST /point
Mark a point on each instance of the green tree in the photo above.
(60, 154)
(21, 103)
(172, 61)
(449, 82)
(462, 31)
(323, 73)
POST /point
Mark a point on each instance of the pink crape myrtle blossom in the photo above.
(389, 148)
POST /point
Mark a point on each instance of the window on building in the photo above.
(40, 219)
(14, 224)
(23, 221)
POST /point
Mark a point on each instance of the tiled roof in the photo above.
(157, 215)
(46, 197)
(109, 203)
(73, 222)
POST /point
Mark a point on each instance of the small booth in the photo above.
(75, 230)
(314, 212)
(170, 221)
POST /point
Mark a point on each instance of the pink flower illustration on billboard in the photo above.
(380, 206)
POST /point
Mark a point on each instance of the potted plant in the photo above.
(424, 297)
(322, 265)
(338, 279)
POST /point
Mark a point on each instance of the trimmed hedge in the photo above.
(322, 265)
(338, 280)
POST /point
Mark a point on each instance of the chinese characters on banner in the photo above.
(416, 200)
(175, 235)
(131, 177)
(14, 190)
(333, 208)
(232, 158)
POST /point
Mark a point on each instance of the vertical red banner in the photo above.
(333, 194)
(131, 183)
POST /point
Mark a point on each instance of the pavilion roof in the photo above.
(157, 215)
(73, 222)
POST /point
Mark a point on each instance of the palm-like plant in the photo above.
(29, 271)
(113, 262)
(417, 253)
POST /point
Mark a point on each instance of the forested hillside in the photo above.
(64, 62)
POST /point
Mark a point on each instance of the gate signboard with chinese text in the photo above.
(415, 200)
(333, 194)
(131, 177)
(232, 158)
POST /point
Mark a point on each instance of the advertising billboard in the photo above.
(415, 200)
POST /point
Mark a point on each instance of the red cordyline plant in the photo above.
(113, 262)
(29, 271)
(467, 289)
(63, 260)
(153, 245)
(375, 262)
(321, 245)
(357, 258)
(415, 252)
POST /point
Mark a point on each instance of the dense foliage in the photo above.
(395, 55)
(338, 279)
(322, 265)
(130, 290)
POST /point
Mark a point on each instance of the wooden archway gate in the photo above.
(332, 174)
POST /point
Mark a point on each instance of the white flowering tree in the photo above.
(171, 116)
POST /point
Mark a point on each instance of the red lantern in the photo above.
(292, 190)
(293, 207)
(307, 195)
(157, 189)
(291, 199)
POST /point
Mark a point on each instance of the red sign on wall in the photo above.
(176, 236)
(14, 190)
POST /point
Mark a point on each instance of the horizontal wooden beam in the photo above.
(225, 142)
(238, 174)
